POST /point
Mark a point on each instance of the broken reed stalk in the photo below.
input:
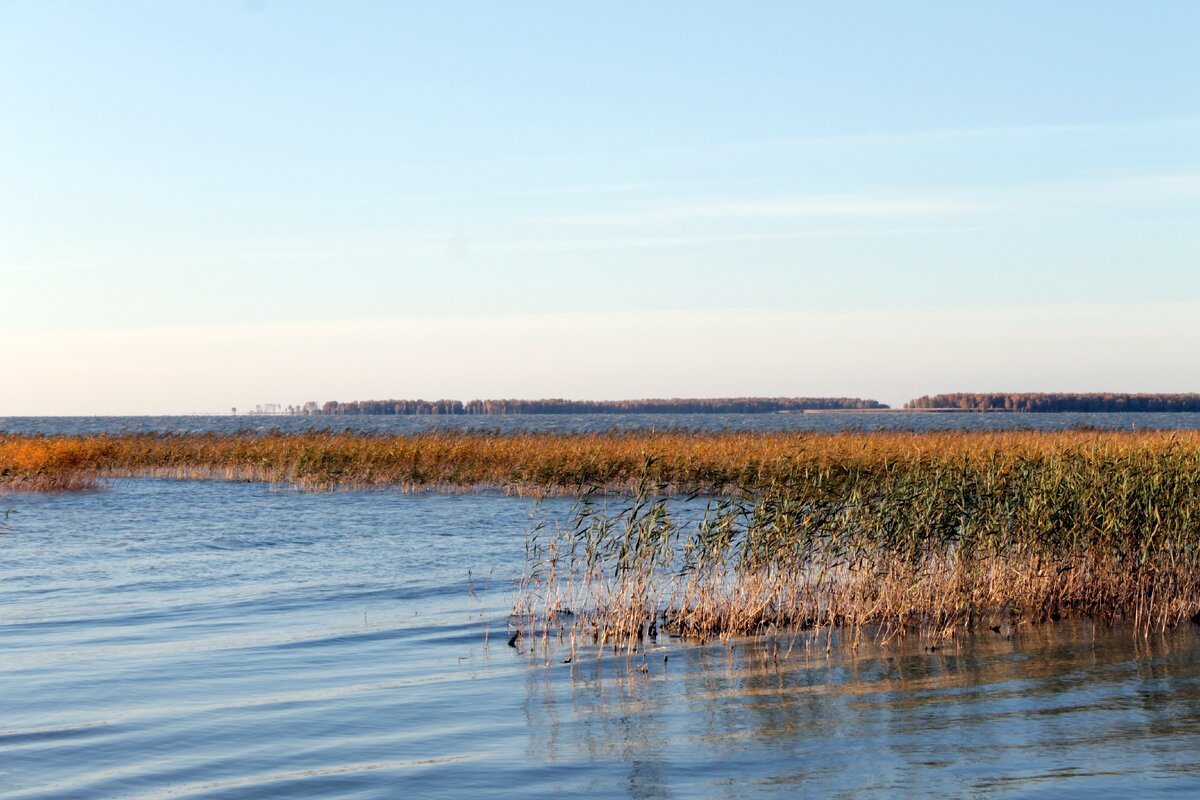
(941, 543)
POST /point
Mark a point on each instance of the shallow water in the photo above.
(396, 424)
(166, 639)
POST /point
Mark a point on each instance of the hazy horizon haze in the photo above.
(215, 205)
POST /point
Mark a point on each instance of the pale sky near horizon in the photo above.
(206, 205)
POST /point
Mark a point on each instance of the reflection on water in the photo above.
(168, 639)
(1067, 710)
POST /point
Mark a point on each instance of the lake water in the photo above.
(169, 639)
(866, 421)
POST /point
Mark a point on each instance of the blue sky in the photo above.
(215, 204)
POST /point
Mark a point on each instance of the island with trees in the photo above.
(716, 405)
(1041, 402)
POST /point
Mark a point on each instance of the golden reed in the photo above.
(534, 462)
(943, 531)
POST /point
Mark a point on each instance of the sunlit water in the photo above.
(165, 639)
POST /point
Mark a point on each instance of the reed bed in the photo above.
(946, 540)
(946, 531)
(718, 463)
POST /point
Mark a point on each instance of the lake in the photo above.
(171, 639)
(397, 424)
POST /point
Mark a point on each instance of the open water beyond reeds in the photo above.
(392, 425)
(166, 639)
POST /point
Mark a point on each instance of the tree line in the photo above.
(1056, 401)
(717, 405)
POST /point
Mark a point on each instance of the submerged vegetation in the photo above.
(942, 531)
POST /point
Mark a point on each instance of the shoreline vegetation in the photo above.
(713, 405)
(940, 531)
(1042, 402)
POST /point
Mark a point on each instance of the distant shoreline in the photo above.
(952, 403)
(508, 406)
(1053, 402)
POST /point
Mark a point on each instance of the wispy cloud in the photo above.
(838, 206)
(993, 132)
(1063, 130)
(715, 221)
(697, 240)
(1101, 190)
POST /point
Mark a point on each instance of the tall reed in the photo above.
(717, 463)
(943, 541)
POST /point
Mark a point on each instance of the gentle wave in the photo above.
(339, 650)
(599, 423)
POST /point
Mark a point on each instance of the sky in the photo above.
(216, 204)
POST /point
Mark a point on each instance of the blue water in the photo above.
(169, 639)
(600, 422)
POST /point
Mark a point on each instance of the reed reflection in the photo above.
(1067, 704)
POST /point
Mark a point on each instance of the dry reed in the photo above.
(942, 539)
(715, 462)
(944, 531)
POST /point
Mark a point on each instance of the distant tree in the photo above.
(1045, 402)
(745, 405)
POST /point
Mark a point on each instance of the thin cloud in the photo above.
(982, 133)
(1116, 190)
(697, 240)
(811, 206)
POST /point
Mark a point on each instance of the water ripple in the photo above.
(334, 650)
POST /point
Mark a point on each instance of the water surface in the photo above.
(169, 639)
(399, 424)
